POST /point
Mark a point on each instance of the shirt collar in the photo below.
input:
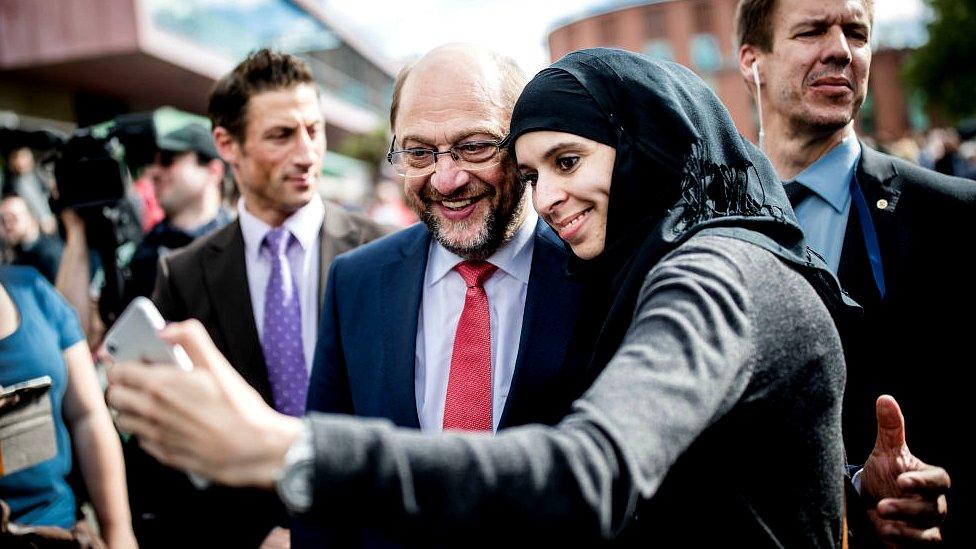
(305, 224)
(822, 177)
(514, 257)
(222, 218)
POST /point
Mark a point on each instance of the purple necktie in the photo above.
(282, 341)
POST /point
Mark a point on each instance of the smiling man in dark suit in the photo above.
(898, 237)
(257, 283)
(464, 321)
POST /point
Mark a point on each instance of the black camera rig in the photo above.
(92, 177)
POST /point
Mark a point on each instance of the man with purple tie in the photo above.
(256, 284)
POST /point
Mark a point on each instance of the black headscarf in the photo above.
(681, 168)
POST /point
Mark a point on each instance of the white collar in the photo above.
(305, 224)
(513, 257)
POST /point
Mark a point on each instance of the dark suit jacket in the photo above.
(912, 344)
(365, 355)
(207, 280)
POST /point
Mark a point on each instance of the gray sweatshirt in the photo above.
(717, 422)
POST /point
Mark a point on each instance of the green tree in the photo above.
(943, 69)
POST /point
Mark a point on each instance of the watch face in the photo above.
(295, 487)
(298, 482)
(295, 484)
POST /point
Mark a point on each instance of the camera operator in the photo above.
(188, 176)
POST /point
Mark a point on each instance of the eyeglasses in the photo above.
(420, 161)
(166, 158)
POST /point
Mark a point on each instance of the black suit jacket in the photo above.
(207, 280)
(913, 343)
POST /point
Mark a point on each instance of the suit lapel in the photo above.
(225, 276)
(402, 282)
(549, 318)
(334, 238)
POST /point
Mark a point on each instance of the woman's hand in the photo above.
(207, 421)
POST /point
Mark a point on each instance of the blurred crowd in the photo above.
(947, 150)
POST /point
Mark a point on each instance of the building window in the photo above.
(705, 53)
(236, 28)
(654, 24)
(659, 49)
(702, 16)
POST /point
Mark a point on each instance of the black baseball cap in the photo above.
(192, 137)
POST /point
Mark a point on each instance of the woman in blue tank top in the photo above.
(40, 335)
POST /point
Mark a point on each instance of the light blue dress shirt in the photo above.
(823, 215)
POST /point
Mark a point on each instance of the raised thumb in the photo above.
(891, 424)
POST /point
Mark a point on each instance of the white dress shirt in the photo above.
(441, 305)
(306, 225)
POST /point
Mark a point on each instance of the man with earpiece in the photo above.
(898, 237)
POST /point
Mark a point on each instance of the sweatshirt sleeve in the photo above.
(684, 363)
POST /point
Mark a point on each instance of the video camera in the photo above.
(92, 173)
(90, 164)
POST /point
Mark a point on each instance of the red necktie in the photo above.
(468, 403)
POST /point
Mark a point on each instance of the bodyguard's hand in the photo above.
(906, 497)
(208, 421)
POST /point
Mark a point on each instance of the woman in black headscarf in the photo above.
(716, 360)
(713, 414)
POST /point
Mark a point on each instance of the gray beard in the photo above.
(498, 228)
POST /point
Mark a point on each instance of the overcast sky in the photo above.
(518, 28)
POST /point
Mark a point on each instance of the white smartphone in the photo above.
(133, 337)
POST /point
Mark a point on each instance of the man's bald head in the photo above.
(461, 94)
(499, 76)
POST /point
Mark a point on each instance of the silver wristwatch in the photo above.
(295, 483)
